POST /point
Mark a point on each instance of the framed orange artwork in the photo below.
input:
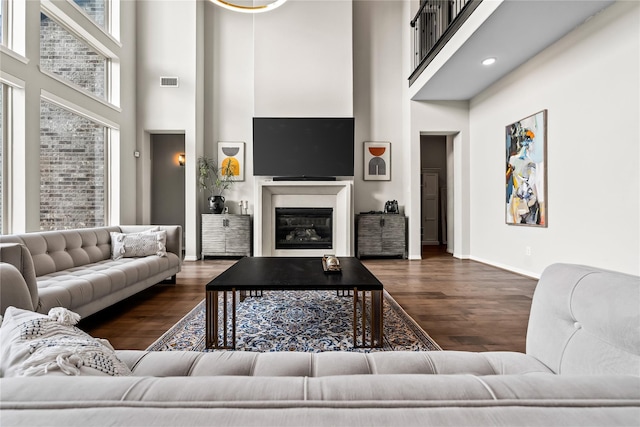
(377, 161)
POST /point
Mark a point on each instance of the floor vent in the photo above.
(168, 81)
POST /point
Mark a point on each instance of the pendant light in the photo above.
(249, 9)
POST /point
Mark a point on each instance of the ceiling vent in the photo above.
(168, 81)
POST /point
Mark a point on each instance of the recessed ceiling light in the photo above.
(488, 61)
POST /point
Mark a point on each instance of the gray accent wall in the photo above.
(167, 180)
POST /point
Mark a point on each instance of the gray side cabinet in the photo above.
(226, 235)
(381, 234)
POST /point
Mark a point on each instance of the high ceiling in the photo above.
(514, 33)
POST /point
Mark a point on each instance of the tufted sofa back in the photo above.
(586, 320)
(64, 249)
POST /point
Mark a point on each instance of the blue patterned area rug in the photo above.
(309, 321)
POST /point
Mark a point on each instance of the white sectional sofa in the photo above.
(581, 367)
(74, 269)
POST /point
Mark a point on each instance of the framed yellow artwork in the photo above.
(231, 155)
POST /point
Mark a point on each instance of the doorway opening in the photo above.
(434, 181)
(167, 180)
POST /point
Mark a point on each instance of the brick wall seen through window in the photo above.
(72, 170)
(63, 54)
(95, 9)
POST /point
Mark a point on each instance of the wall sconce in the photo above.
(181, 159)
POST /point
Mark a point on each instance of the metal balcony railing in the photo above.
(434, 25)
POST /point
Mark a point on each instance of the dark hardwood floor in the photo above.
(461, 304)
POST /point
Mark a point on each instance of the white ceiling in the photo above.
(514, 33)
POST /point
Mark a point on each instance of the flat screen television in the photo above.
(303, 147)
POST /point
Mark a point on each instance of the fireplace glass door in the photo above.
(304, 228)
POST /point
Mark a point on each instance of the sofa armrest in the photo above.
(584, 320)
(13, 289)
(18, 285)
(174, 239)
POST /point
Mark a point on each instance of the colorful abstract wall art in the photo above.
(231, 155)
(526, 176)
(377, 161)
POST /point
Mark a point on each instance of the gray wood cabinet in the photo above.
(381, 235)
(226, 235)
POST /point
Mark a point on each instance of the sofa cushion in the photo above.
(33, 344)
(134, 245)
(79, 286)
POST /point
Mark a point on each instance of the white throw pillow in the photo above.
(130, 245)
(34, 344)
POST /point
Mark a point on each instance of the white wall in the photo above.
(169, 38)
(277, 64)
(449, 118)
(232, 67)
(229, 97)
(240, 81)
(379, 78)
(588, 82)
(303, 60)
(282, 63)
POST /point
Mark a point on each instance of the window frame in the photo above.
(112, 65)
(5, 94)
(14, 28)
(13, 156)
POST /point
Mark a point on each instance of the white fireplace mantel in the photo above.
(333, 194)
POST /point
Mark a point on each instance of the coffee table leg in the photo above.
(213, 324)
(375, 316)
(355, 317)
(359, 321)
(233, 319)
(224, 318)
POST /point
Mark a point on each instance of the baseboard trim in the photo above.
(506, 267)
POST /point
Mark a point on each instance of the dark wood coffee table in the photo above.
(252, 275)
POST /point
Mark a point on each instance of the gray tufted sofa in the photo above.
(73, 269)
(582, 367)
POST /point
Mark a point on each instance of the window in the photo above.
(61, 53)
(78, 184)
(2, 157)
(12, 27)
(72, 170)
(3, 17)
(96, 9)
